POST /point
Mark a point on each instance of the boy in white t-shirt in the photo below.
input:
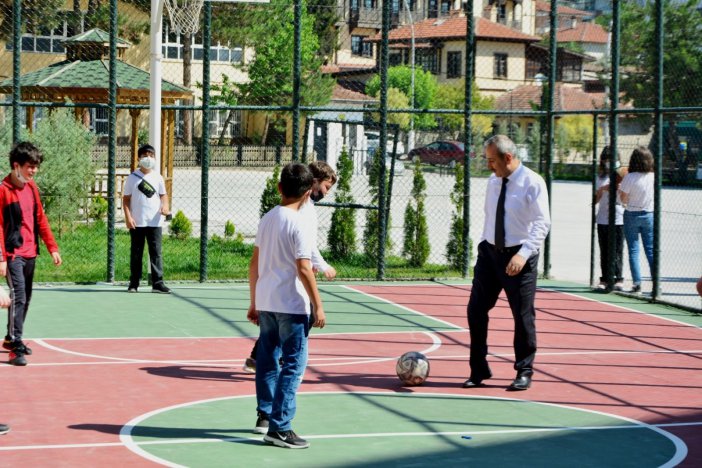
(282, 287)
(145, 203)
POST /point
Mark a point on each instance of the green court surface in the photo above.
(197, 311)
(403, 430)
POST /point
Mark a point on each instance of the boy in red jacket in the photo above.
(22, 224)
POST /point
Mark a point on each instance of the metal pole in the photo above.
(16, 70)
(155, 78)
(382, 208)
(593, 219)
(205, 159)
(550, 123)
(112, 144)
(613, 130)
(410, 136)
(658, 166)
(297, 71)
(468, 132)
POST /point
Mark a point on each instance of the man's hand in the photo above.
(515, 265)
(319, 318)
(330, 273)
(57, 258)
(252, 315)
(130, 222)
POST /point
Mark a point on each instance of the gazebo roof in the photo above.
(86, 79)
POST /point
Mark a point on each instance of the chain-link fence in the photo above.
(353, 83)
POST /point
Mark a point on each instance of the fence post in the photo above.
(112, 144)
(297, 71)
(593, 219)
(382, 208)
(239, 154)
(205, 166)
(550, 123)
(16, 69)
(279, 154)
(613, 131)
(468, 136)
(658, 160)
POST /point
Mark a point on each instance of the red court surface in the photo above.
(68, 406)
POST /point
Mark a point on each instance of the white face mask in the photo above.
(20, 177)
(147, 162)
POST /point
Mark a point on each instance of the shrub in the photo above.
(416, 244)
(371, 233)
(270, 198)
(230, 233)
(342, 233)
(98, 208)
(180, 227)
(455, 245)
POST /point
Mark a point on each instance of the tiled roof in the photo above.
(583, 32)
(95, 35)
(455, 28)
(92, 74)
(566, 98)
(339, 93)
(561, 10)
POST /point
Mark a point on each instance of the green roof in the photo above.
(95, 35)
(90, 74)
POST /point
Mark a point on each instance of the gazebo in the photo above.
(84, 78)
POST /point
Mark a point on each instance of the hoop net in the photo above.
(184, 15)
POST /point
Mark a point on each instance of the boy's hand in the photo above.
(252, 315)
(330, 273)
(3, 268)
(319, 318)
(57, 258)
(130, 223)
(5, 300)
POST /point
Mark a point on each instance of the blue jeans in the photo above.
(635, 223)
(276, 386)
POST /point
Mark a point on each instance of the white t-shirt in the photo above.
(281, 240)
(309, 220)
(603, 205)
(145, 211)
(639, 187)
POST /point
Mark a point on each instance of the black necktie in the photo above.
(500, 216)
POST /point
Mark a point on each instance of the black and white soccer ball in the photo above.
(412, 368)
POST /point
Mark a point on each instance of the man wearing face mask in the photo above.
(145, 203)
(23, 223)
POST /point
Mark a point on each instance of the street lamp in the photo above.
(410, 134)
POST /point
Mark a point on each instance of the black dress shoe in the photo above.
(522, 382)
(474, 382)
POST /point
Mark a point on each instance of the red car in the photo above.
(439, 152)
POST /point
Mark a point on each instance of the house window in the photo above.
(99, 121)
(369, 4)
(172, 48)
(46, 40)
(453, 65)
(445, 7)
(428, 59)
(218, 120)
(570, 70)
(360, 48)
(534, 67)
(433, 9)
(395, 58)
(500, 66)
(502, 14)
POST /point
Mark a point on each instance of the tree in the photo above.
(425, 88)
(454, 246)
(36, 15)
(453, 96)
(416, 245)
(682, 61)
(270, 197)
(342, 233)
(396, 100)
(325, 18)
(371, 232)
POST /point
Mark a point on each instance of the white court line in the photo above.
(452, 325)
(680, 447)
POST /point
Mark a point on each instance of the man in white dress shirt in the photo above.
(517, 221)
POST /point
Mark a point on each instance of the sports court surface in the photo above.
(120, 379)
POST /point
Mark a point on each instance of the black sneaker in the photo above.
(261, 424)
(160, 288)
(286, 439)
(250, 367)
(17, 358)
(22, 346)
(635, 289)
(4, 429)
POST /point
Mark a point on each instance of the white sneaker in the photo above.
(619, 286)
(602, 286)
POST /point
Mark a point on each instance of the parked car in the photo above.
(373, 141)
(439, 152)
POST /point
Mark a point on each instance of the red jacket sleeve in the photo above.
(43, 222)
(3, 202)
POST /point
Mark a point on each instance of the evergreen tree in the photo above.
(270, 198)
(416, 246)
(371, 233)
(454, 247)
(342, 234)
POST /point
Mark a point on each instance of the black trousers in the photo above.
(603, 239)
(152, 236)
(20, 279)
(488, 281)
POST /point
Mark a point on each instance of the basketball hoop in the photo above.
(184, 15)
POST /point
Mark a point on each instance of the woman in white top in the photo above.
(636, 192)
(602, 200)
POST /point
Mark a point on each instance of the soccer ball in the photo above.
(412, 368)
